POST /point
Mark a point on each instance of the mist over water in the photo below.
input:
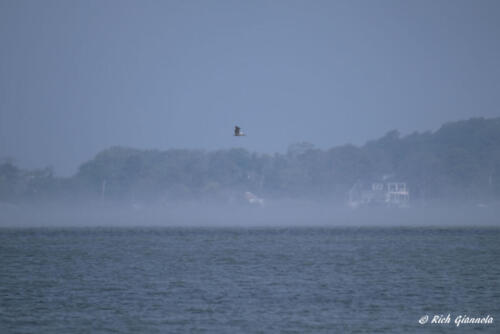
(274, 214)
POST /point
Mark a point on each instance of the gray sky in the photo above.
(80, 76)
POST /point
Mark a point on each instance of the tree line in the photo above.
(461, 160)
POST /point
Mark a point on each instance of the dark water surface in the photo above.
(297, 280)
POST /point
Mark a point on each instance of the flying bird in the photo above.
(238, 132)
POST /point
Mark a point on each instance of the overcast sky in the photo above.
(77, 77)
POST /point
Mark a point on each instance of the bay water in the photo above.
(248, 280)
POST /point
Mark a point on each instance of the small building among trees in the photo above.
(391, 194)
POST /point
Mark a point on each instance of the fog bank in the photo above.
(274, 214)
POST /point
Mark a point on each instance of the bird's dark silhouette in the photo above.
(238, 132)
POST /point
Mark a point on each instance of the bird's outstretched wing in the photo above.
(236, 130)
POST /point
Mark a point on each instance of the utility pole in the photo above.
(103, 190)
